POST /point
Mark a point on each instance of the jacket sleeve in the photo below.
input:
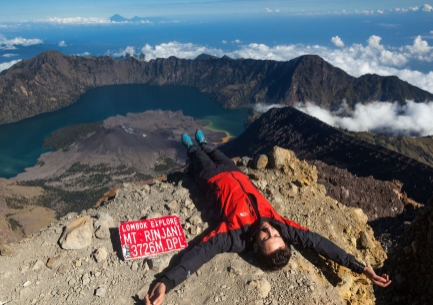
(192, 260)
(323, 246)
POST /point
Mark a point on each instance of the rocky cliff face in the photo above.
(52, 80)
(410, 263)
(38, 270)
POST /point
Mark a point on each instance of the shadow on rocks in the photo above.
(387, 230)
(115, 242)
(315, 259)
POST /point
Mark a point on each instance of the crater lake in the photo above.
(21, 142)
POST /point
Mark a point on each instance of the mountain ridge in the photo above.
(51, 81)
(311, 139)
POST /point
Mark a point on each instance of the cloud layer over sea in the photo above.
(392, 119)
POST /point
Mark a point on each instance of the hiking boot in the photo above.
(199, 137)
(186, 140)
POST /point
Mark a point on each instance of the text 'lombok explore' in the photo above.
(151, 236)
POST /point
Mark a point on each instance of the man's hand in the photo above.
(157, 295)
(381, 281)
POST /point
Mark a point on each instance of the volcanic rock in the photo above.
(77, 234)
(102, 225)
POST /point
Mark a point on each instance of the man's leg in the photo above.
(203, 169)
(203, 166)
(222, 162)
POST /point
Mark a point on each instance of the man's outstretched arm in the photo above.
(191, 261)
(382, 281)
(330, 250)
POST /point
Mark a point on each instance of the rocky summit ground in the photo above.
(38, 270)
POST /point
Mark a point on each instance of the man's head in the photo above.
(270, 248)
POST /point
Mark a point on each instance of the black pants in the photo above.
(207, 162)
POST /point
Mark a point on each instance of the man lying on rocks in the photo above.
(247, 220)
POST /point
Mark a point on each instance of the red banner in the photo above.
(151, 237)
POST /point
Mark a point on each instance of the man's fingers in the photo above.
(382, 281)
(146, 298)
(158, 300)
(383, 284)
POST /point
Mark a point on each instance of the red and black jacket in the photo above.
(242, 209)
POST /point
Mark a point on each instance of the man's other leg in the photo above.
(203, 166)
(223, 163)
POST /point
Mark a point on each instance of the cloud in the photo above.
(337, 41)
(262, 108)
(94, 21)
(77, 20)
(9, 55)
(420, 49)
(236, 41)
(225, 41)
(411, 119)
(10, 44)
(7, 65)
(127, 51)
(83, 54)
(427, 8)
(424, 8)
(268, 10)
(181, 50)
(62, 44)
(374, 42)
(365, 12)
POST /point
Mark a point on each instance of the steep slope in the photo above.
(52, 80)
(410, 263)
(38, 271)
(312, 139)
(420, 149)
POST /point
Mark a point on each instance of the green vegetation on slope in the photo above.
(15, 225)
(15, 203)
(420, 149)
(164, 164)
(81, 186)
(63, 138)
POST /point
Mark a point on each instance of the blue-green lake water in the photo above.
(21, 142)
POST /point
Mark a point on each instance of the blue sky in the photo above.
(30, 10)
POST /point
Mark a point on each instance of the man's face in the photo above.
(268, 238)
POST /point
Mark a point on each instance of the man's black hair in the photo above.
(275, 260)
